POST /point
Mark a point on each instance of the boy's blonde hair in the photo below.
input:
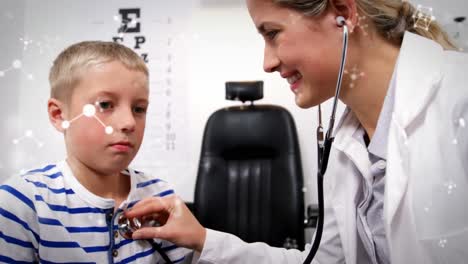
(72, 63)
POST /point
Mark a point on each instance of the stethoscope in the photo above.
(127, 226)
(324, 146)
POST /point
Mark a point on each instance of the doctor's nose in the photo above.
(270, 61)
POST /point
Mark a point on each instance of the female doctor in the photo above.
(396, 187)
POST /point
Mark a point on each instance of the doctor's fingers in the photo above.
(151, 206)
(180, 228)
(153, 232)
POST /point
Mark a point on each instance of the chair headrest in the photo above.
(244, 91)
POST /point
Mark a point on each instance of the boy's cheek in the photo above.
(89, 133)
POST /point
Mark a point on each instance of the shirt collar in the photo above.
(85, 194)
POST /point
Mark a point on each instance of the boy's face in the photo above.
(120, 97)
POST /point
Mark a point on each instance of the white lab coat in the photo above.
(426, 192)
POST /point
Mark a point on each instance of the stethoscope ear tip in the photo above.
(340, 21)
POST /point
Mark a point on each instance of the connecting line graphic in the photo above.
(26, 42)
(89, 110)
(16, 64)
(362, 24)
(28, 134)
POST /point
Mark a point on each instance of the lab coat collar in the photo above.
(418, 77)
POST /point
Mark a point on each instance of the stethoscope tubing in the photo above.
(161, 252)
(323, 151)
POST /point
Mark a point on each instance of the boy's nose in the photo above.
(126, 121)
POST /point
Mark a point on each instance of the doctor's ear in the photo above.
(346, 9)
(57, 115)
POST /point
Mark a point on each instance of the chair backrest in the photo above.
(250, 180)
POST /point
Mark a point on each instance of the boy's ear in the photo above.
(56, 111)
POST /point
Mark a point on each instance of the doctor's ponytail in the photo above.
(391, 18)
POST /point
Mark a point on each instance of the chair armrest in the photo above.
(311, 216)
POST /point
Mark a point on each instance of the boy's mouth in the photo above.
(122, 146)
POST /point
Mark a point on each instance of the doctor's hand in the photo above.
(178, 225)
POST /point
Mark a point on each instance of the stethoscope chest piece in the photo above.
(128, 226)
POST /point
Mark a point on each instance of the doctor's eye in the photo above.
(271, 34)
(104, 105)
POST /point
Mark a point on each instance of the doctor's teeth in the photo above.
(294, 78)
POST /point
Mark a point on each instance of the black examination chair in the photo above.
(250, 180)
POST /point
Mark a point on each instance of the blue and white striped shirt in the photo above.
(47, 216)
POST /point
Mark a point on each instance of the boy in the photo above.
(70, 211)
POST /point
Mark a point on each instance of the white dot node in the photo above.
(116, 18)
(2, 73)
(455, 141)
(442, 243)
(15, 141)
(30, 77)
(462, 122)
(40, 145)
(17, 64)
(89, 110)
(28, 133)
(65, 124)
(304, 190)
(109, 130)
(451, 186)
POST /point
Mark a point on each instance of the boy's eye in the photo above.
(139, 109)
(105, 105)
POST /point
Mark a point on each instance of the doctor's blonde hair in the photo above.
(391, 18)
(71, 64)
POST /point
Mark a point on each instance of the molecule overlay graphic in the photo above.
(89, 110)
(16, 64)
(28, 134)
(423, 17)
(354, 74)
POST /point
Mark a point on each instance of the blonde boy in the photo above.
(69, 211)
